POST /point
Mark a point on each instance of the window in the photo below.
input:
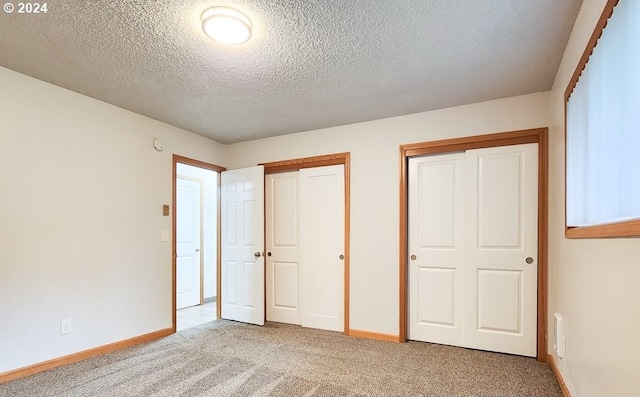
(603, 129)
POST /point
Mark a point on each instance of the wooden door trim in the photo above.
(322, 161)
(537, 135)
(174, 175)
(306, 162)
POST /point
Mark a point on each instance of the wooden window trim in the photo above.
(174, 174)
(322, 161)
(539, 136)
(593, 41)
(629, 228)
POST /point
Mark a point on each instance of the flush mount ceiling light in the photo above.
(226, 25)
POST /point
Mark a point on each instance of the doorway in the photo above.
(195, 251)
(536, 136)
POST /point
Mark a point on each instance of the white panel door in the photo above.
(502, 247)
(322, 247)
(242, 219)
(283, 294)
(436, 249)
(188, 210)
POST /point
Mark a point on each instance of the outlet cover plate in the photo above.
(65, 326)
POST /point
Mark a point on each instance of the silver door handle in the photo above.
(529, 260)
(257, 254)
(197, 249)
(341, 257)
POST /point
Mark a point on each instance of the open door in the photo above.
(242, 220)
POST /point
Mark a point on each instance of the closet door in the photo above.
(473, 243)
(436, 249)
(322, 247)
(502, 247)
(281, 203)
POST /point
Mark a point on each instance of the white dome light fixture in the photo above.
(226, 25)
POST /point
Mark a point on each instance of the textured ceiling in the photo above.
(310, 63)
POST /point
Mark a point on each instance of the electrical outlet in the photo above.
(65, 326)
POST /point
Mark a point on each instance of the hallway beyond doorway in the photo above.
(196, 315)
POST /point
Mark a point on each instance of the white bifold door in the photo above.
(305, 247)
(242, 221)
(473, 227)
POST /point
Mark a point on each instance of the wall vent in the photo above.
(558, 335)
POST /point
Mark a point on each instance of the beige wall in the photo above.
(82, 190)
(374, 148)
(81, 194)
(594, 282)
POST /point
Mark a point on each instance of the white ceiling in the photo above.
(310, 63)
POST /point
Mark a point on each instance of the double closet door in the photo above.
(305, 247)
(473, 228)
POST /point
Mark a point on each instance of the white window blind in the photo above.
(603, 126)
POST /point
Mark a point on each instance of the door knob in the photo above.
(341, 257)
(257, 254)
(529, 260)
(413, 257)
(197, 249)
(269, 253)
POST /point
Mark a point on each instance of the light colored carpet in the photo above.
(225, 358)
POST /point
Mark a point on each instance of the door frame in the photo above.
(174, 175)
(321, 161)
(537, 135)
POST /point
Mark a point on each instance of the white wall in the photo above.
(593, 283)
(81, 201)
(209, 224)
(374, 148)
